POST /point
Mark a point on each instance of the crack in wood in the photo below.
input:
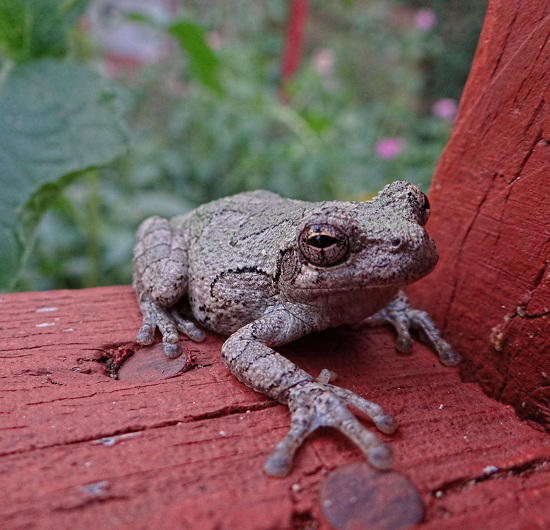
(503, 47)
(460, 485)
(114, 437)
(461, 247)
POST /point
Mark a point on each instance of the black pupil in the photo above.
(426, 205)
(321, 241)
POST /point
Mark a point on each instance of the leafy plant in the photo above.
(58, 119)
(33, 30)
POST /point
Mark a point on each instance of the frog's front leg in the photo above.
(160, 282)
(249, 355)
(403, 317)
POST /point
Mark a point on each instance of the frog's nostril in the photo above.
(396, 242)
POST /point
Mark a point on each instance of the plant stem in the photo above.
(92, 228)
(6, 67)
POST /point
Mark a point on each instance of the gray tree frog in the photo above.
(266, 271)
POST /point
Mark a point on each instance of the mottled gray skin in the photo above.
(267, 270)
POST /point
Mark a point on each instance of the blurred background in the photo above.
(368, 97)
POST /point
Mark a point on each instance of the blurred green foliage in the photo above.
(58, 120)
(207, 121)
(35, 30)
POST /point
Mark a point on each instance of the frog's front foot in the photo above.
(403, 317)
(316, 404)
(169, 322)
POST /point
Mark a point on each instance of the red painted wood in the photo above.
(79, 449)
(490, 291)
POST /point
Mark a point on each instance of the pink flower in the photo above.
(215, 39)
(445, 108)
(425, 19)
(323, 61)
(388, 148)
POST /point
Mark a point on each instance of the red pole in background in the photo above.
(294, 39)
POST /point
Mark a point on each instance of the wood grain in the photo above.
(490, 292)
(78, 448)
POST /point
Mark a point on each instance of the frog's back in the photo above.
(246, 226)
(235, 245)
(260, 206)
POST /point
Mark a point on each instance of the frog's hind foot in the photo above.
(168, 322)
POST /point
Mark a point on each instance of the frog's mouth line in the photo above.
(325, 290)
(355, 285)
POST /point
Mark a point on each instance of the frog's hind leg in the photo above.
(160, 281)
(160, 261)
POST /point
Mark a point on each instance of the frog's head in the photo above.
(381, 243)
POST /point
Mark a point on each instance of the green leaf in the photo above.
(56, 119)
(202, 59)
(33, 29)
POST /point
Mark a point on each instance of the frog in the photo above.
(265, 271)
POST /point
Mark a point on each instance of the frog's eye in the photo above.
(324, 245)
(420, 205)
(424, 208)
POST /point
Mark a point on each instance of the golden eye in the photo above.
(323, 245)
